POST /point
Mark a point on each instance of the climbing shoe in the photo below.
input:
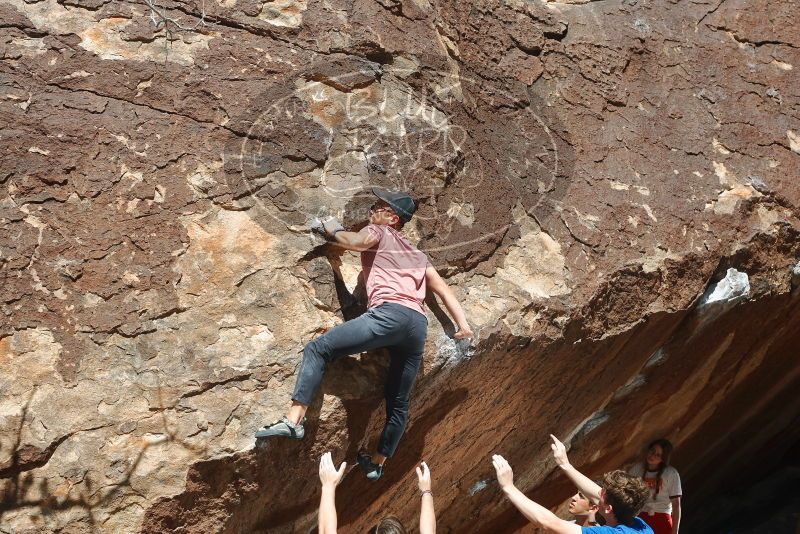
(283, 428)
(373, 471)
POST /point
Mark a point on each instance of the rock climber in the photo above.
(620, 497)
(396, 276)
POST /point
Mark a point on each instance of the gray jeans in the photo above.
(399, 329)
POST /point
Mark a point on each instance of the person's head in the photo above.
(391, 208)
(382, 213)
(622, 497)
(658, 453)
(579, 504)
(389, 525)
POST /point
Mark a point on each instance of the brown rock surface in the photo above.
(592, 177)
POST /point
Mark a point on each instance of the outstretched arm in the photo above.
(330, 478)
(333, 229)
(584, 484)
(427, 516)
(537, 514)
(436, 284)
(358, 241)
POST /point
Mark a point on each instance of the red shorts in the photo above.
(660, 523)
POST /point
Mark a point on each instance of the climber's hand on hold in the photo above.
(465, 332)
(559, 452)
(331, 225)
(505, 476)
(326, 226)
(316, 226)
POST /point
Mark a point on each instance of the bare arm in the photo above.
(436, 284)
(676, 514)
(330, 478)
(427, 516)
(584, 484)
(536, 513)
(327, 511)
(358, 241)
(539, 515)
(331, 228)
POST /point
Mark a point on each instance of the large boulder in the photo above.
(611, 188)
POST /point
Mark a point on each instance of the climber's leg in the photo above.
(406, 358)
(380, 326)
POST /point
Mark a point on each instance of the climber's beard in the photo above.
(598, 516)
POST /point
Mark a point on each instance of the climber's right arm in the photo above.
(331, 228)
(357, 241)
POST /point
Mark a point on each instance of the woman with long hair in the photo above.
(663, 510)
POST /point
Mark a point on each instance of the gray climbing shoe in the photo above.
(283, 428)
(373, 471)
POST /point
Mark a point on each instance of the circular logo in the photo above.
(476, 156)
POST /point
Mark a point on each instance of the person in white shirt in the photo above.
(663, 510)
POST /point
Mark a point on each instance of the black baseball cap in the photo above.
(401, 203)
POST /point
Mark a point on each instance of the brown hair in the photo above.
(626, 494)
(389, 525)
(666, 451)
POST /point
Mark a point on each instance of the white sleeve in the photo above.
(674, 484)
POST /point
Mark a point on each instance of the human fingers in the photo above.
(496, 462)
(323, 462)
(323, 467)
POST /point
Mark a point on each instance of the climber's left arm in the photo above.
(435, 283)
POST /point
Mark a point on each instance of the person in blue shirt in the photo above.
(620, 495)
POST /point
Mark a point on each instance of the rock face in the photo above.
(610, 187)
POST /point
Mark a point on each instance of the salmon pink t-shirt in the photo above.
(394, 270)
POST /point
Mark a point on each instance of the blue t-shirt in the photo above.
(639, 527)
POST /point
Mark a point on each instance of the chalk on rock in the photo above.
(453, 351)
(759, 185)
(479, 486)
(735, 285)
(796, 269)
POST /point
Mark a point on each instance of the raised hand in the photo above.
(559, 452)
(424, 477)
(328, 474)
(505, 476)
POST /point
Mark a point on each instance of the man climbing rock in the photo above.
(396, 275)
